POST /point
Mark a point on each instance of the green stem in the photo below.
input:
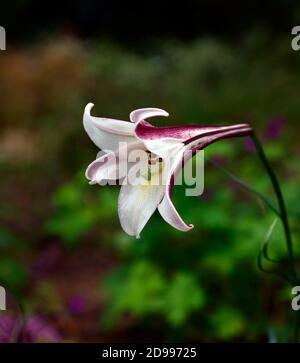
(281, 204)
(284, 219)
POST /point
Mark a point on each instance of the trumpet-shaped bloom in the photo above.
(164, 149)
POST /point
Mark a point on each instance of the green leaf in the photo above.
(184, 296)
(228, 322)
(13, 274)
(137, 291)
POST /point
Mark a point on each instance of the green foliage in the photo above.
(184, 296)
(143, 289)
(138, 290)
(8, 240)
(77, 210)
(13, 274)
(228, 323)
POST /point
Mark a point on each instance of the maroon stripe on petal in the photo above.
(243, 131)
(167, 208)
(186, 134)
(220, 130)
(146, 131)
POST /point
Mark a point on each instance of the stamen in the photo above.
(154, 160)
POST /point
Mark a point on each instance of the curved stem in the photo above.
(284, 219)
(281, 204)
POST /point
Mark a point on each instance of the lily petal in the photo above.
(136, 205)
(112, 165)
(141, 114)
(107, 133)
(166, 208)
(164, 148)
(186, 134)
(106, 167)
(200, 142)
(170, 215)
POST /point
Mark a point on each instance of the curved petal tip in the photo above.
(88, 108)
(169, 213)
(141, 114)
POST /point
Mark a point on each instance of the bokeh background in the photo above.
(69, 269)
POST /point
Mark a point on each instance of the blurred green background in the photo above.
(64, 257)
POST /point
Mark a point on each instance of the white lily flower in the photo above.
(167, 145)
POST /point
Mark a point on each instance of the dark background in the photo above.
(136, 22)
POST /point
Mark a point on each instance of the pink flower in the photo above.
(165, 147)
(77, 304)
(275, 127)
(34, 329)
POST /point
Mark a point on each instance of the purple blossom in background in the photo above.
(77, 304)
(272, 131)
(250, 146)
(7, 328)
(34, 330)
(37, 329)
(47, 260)
(274, 127)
